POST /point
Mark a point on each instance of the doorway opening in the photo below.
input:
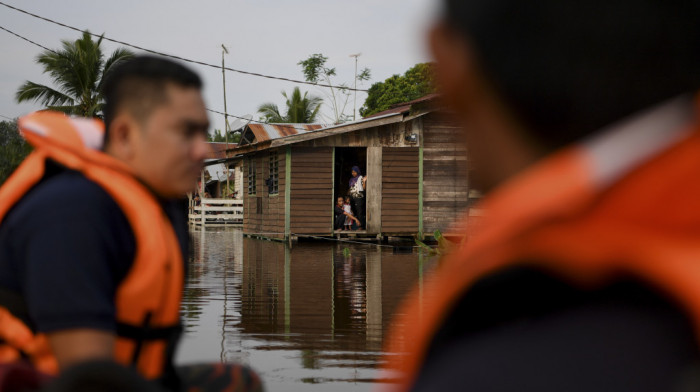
(345, 159)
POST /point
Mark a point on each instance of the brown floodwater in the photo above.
(309, 318)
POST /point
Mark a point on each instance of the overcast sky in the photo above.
(264, 36)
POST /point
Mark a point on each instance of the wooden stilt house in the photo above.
(412, 156)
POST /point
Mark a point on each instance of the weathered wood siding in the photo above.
(312, 190)
(264, 212)
(445, 182)
(400, 190)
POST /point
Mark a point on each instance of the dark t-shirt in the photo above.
(65, 247)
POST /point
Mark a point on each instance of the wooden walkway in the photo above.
(216, 212)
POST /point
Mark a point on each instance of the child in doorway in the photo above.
(349, 217)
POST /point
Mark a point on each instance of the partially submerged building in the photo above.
(222, 178)
(219, 194)
(412, 155)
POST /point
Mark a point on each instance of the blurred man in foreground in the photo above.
(92, 242)
(581, 120)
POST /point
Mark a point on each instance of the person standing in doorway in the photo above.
(357, 192)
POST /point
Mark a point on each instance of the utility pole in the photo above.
(354, 106)
(223, 75)
(226, 130)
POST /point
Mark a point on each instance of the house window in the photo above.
(251, 177)
(273, 181)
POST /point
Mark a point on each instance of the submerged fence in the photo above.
(216, 212)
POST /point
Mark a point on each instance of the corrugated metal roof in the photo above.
(405, 107)
(394, 115)
(216, 172)
(265, 132)
(218, 150)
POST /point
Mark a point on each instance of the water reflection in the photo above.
(307, 318)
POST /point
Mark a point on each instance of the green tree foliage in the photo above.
(216, 137)
(415, 83)
(78, 70)
(315, 71)
(219, 137)
(13, 149)
(301, 109)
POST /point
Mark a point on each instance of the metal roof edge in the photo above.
(339, 129)
(210, 162)
(416, 115)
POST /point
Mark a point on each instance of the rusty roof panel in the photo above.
(405, 107)
(265, 132)
(218, 150)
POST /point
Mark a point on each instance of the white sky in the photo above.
(264, 36)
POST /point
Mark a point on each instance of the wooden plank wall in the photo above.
(312, 190)
(374, 190)
(400, 190)
(445, 182)
(263, 212)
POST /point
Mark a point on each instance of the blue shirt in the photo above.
(65, 247)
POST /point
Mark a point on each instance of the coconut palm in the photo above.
(78, 70)
(300, 109)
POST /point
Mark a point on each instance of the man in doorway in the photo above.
(581, 119)
(93, 244)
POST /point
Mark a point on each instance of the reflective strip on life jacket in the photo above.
(148, 298)
(587, 214)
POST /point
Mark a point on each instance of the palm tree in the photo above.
(78, 71)
(300, 109)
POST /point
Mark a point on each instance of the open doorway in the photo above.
(345, 159)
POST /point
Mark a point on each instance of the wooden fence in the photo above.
(216, 212)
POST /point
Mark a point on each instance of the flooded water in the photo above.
(309, 318)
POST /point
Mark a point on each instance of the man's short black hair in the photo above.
(567, 68)
(139, 85)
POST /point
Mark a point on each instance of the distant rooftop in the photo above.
(256, 133)
(218, 150)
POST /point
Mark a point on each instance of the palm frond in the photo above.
(270, 113)
(67, 109)
(77, 70)
(117, 56)
(30, 91)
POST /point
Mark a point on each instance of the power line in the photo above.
(257, 121)
(11, 119)
(28, 40)
(211, 110)
(179, 57)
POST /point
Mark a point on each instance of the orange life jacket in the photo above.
(148, 299)
(567, 215)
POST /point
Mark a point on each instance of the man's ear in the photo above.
(121, 136)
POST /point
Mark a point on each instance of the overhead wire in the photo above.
(28, 40)
(11, 119)
(208, 109)
(180, 57)
(258, 121)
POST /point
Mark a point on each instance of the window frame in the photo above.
(252, 178)
(274, 173)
